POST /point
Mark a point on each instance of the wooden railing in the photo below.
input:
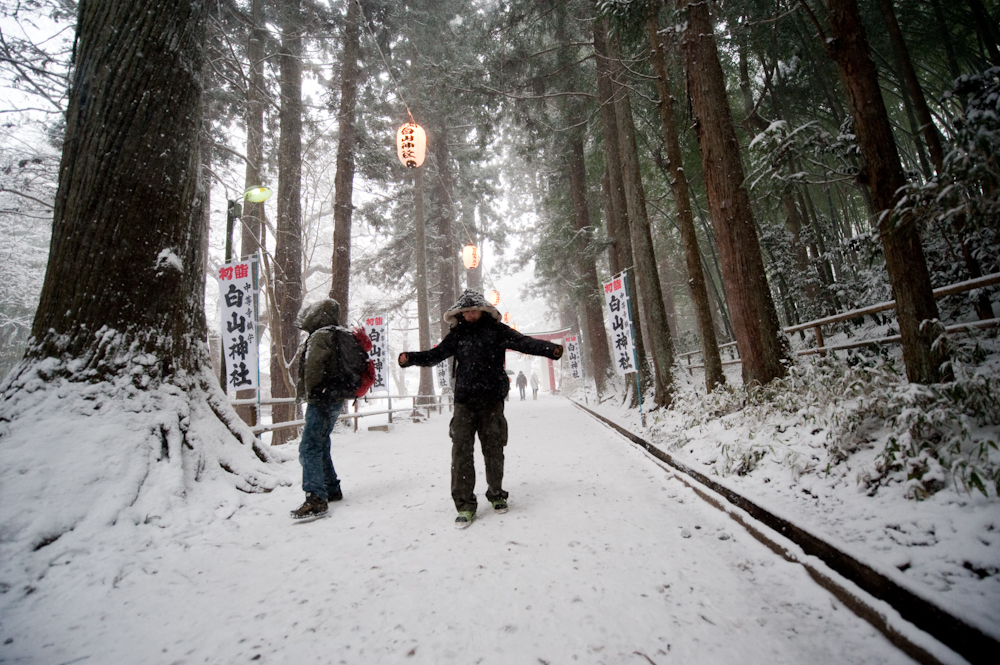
(816, 326)
(428, 403)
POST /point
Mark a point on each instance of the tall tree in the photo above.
(682, 202)
(343, 208)
(119, 334)
(761, 344)
(647, 277)
(883, 173)
(426, 385)
(614, 185)
(287, 277)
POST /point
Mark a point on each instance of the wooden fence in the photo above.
(817, 325)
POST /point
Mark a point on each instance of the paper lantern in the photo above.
(411, 145)
(470, 256)
(514, 326)
(506, 317)
(257, 194)
(493, 298)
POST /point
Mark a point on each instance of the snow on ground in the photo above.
(603, 558)
(945, 548)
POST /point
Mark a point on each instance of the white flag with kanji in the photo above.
(239, 329)
(622, 345)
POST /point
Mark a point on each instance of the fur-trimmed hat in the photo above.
(312, 317)
(470, 300)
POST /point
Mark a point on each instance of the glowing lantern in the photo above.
(470, 256)
(506, 317)
(257, 194)
(514, 326)
(411, 145)
(493, 298)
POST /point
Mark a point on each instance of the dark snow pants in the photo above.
(488, 421)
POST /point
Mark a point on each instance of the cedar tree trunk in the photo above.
(761, 344)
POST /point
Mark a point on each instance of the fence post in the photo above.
(819, 341)
(355, 418)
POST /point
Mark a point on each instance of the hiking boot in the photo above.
(313, 508)
(336, 496)
(499, 506)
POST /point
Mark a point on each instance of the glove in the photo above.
(557, 352)
(404, 359)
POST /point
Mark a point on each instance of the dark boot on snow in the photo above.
(313, 508)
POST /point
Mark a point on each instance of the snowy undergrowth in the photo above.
(924, 438)
(86, 465)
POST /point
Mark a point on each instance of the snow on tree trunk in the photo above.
(759, 338)
(114, 416)
(288, 232)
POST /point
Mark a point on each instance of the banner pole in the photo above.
(256, 324)
(635, 357)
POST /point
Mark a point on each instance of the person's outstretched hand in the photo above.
(404, 359)
(557, 353)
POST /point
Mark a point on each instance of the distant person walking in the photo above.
(522, 383)
(479, 344)
(534, 386)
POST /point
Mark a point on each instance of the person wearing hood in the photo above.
(478, 341)
(534, 386)
(317, 363)
(522, 383)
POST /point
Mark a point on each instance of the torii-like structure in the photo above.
(549, 336)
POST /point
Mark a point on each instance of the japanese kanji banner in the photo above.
(442, 372)
(622, 345)
(573, 355)
(378, 332)
(239, 318)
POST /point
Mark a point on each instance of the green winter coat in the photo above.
(320, 351)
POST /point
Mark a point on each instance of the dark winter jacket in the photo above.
(522, 380)
(479, 350)
(319, 356)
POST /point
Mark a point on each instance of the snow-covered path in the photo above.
(603, 558)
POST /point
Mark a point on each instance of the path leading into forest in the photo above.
(603, 558)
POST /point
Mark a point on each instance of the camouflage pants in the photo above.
(488, 421)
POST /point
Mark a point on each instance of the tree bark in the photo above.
(883, 173)
(593, 299)
(343, 184)
(426, 386)
(288, 232)
(124, 273)
(618, 224)
(647, 276)
(446, 217)
(685, 219)
(762, 347)
(252, 220)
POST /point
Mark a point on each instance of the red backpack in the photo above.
(368, 374)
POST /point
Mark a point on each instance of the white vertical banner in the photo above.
(622, 345)
(442, 372)
(239, 330)
(573, 354)
(378, 332)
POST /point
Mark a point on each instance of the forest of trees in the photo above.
(753, 164)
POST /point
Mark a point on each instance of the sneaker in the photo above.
(499, 506)
(464, 519)
(313, 508)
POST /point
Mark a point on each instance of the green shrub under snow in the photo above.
(924, 436)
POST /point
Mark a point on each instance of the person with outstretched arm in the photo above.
(478, 341)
